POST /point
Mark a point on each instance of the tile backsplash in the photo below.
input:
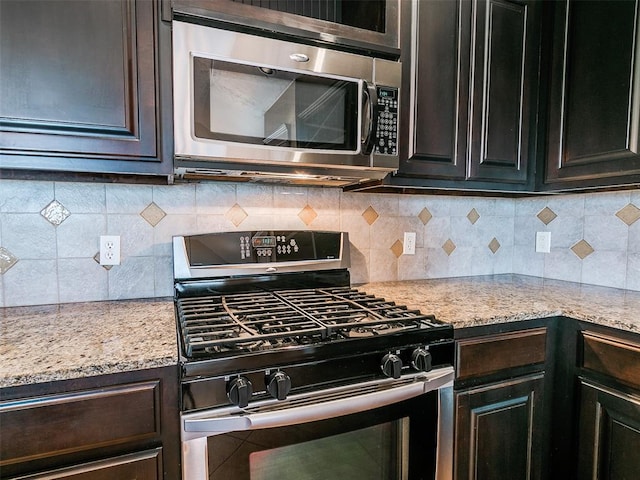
(49, 234)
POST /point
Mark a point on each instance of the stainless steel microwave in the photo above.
(256, 108)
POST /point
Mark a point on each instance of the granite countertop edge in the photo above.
(70, 341)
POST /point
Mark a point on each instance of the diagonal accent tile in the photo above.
(397, 248)
(582, 249)
(473, 216)
(153, 214)
(629, 214)
(370, 215)
(236, 215)
(546, 215)
(7, 260)
(307, 215)
(425, 216)
(449, 247)
(55, 213)
(96, 257)
(494, 245)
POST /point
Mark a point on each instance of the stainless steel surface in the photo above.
(205, 158)
(196, 427)
(183, 270)
(311, 407)
(298, 26)
(273, 338)
(444, 453)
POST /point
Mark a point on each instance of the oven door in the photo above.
(380, 430)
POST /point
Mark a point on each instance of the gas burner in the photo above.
(250, 322)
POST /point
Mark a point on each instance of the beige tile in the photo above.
(546, 215)
(629, 214)
(582, 249)
(473, 216)
(494, 245)
(153, 214)
(449, 247)
(425, 216)
(370, 215)
(307, 215)
(236, 215)
(397, 248)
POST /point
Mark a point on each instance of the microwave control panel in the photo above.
(386, 141)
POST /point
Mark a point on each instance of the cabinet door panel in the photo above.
(139, 466)
(504, 71)
(78, 81)
(59, 424)
(594, 115)
(437, 116)
(609, 433)
(497, 430)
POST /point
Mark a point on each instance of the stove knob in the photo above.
(239, 391)
(391, 365)
(278, 385)
(421, 360)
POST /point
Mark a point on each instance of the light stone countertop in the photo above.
(59, 342)
(56, 342)
(482, 300)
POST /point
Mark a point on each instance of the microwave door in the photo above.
(262, 106)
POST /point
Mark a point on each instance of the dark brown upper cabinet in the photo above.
(80, 86)
(471, 97)
(594, 94)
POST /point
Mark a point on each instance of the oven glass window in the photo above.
(370, 453)
(249, 104)
(376, 452)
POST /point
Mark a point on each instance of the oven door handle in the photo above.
(199, 426)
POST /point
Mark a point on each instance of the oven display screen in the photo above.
(261, 242)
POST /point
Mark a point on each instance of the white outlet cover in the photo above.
(109, 250)
(409, 244)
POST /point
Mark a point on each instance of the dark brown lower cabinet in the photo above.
(608, 402)
(139, 466)
(497, 434)
(501, 411)
(119, 426)
(609, 433)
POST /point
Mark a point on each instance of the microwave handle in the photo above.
(370, 102)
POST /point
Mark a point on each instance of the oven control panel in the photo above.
(256, 384)
(232, 248)
(268, 246)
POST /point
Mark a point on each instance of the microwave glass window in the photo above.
(263, 106)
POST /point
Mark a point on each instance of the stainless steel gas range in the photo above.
(289, 372)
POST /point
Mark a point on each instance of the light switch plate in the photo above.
(543, 242)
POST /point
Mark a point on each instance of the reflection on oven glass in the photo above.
(367, 454)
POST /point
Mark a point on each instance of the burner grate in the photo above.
(216, 324)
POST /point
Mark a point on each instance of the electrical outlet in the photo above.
(109, 250)
(543, 242)
(409, 244)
